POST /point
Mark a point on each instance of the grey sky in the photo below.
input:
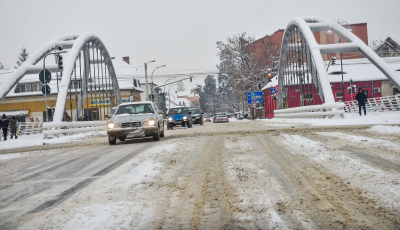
(179, 33)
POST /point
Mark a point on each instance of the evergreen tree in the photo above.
(1, 66)
(23, 56)
(181, 87)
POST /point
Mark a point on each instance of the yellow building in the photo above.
(26, 100)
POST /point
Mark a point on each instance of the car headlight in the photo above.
(169, 118)
(111, 125)
(185, 118)
(152, 122)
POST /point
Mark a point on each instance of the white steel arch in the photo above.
(303, 27)
(75, 45)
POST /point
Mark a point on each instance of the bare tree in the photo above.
(376, 43)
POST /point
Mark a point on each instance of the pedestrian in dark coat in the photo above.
(4, 125)
(13, 127)
(362, 99)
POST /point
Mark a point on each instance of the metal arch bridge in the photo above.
(88, 73)
(302, 71)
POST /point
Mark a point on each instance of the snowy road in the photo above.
(252, 175)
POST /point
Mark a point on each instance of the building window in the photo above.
(28, 87)
(308, 96)
(75, 84)
(339, 94)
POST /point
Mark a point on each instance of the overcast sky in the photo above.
(179, 33)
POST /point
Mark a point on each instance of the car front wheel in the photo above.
(112, 141)
(156, 136)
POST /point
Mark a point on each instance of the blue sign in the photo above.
(254, 97)
(273, 91)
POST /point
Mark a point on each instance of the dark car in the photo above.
(197, 116)
(179, 116)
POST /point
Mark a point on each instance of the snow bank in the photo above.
(378, 118)
(38, 139)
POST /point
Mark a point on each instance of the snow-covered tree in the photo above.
(23, 56)
(208, 97)
(1, 66)
(181, 86)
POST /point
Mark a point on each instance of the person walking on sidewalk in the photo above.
(362, 99)
(13, 127)
(4, 125)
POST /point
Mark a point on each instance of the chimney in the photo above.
(126, 59)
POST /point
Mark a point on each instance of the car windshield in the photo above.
(221, 116)
(134, 109)
(176, 111)
(195, 111)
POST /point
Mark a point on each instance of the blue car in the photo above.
(179, 116)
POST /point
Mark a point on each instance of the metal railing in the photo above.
(376, 104)
(27, 128)
(67, 128)
(312, 111)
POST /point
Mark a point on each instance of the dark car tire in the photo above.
(122, 138)
(190, 124)
(162, 133)
(156, 136)
(112, 142)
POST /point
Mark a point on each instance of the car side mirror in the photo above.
(106, 116)
(160, 112)
(202, 113)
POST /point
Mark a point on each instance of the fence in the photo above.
(57, 128)
(312, 111)
(27, 128)
(376, 104)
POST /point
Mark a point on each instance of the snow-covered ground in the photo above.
(377, 118)
(38, 139)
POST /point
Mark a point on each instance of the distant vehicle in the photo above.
(135, 119)
(221, 118)
(207, 118)
(179, 116)
(240, 116)
(197, 116)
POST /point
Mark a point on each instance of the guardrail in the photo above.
(27, 128)
(312, 111)
(376, 104)
(57, 128)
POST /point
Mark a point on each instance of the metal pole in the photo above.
(147, 84)
(341, 66)
(45, 84)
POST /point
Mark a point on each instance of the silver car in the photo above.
(221, 118)
(135, 119)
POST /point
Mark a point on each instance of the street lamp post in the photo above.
(152, 96)
(147, 83)
(341, 59)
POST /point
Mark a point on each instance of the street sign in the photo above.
(273, 91)
(254, 105)
(254, 97)
(130, 98)
(47, 91)
(44, 73)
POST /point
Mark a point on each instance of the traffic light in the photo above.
(49, 112)
(269, 74)
(354, 88)
(333, 60)
(348, 89)
(60, 61)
